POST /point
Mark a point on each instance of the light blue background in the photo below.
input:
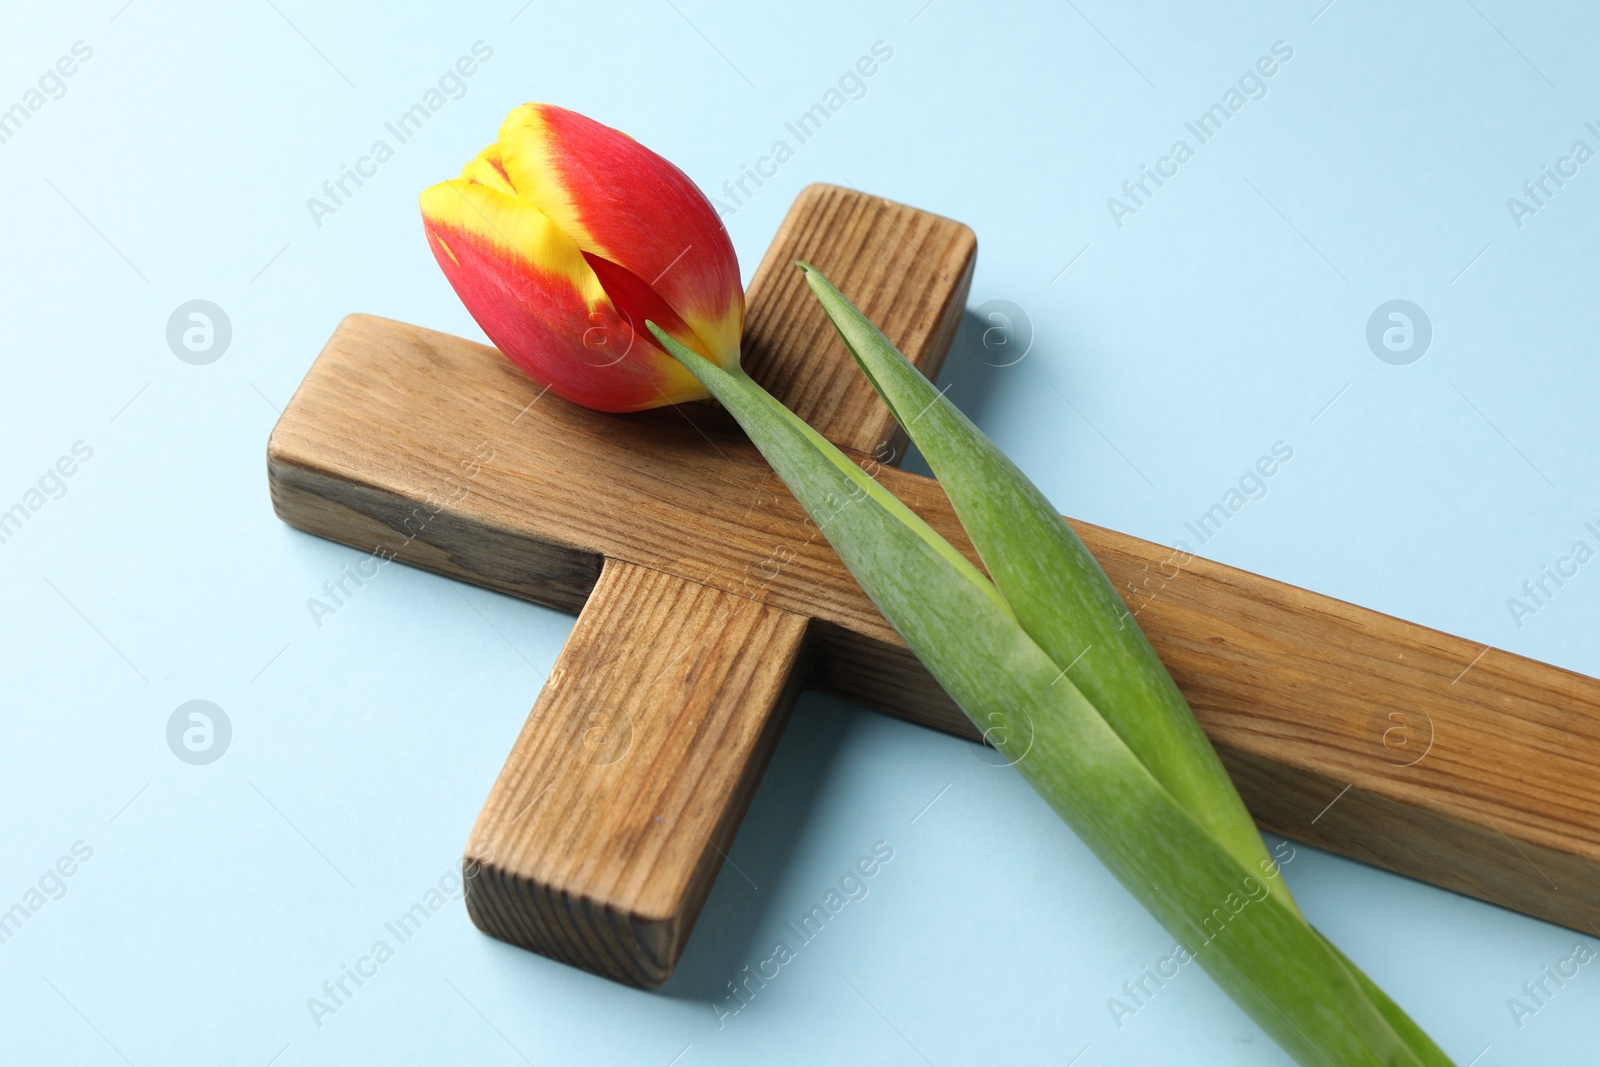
(1223, 316)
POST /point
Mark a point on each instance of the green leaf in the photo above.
(1235, 918)
(867, 484)
(1058, 592)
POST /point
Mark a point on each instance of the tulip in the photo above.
(564, 236)
(601, 271)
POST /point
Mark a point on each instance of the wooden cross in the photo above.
(706, 600)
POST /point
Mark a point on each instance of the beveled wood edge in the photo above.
(884, 432)
(949, 313)
(564, 586)
(1381, 828)
(549, 913)
(1403, 804)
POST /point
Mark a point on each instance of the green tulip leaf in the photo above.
(1231, 912)
(1059, 593)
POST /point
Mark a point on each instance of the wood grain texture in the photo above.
(426, 445)
(908, 270)
(1295, 689)
(601, 838)
(615, 810)
(605, 830)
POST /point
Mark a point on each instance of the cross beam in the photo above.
(707, 600)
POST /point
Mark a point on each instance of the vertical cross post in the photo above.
(601, 838)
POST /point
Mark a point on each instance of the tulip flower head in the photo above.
(564, 236)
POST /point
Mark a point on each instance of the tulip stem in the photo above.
(1044, 659)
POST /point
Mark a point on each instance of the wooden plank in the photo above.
(1287, 682)
(609, 822)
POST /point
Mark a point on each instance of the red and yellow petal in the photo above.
(623, 203)
(536, 296)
